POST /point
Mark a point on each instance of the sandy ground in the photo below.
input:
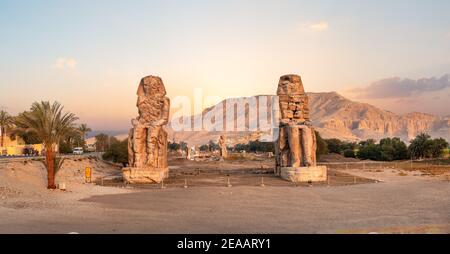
(401, 203)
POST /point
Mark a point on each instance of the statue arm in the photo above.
(164, 115)
(166, 110)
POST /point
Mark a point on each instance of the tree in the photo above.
(72, 139)
(204, 148)
(322, 146)
(84, 130)
(6, 122)
(183, 145)
(117, 152)
(437, 146)
(173, 146)
(102, 142)
(369, 150)
(256, 146)
(400, 148)
(213, 146)
(334, 145)
(420, 146)
(393, 149)
(349, 153)
(50, 124)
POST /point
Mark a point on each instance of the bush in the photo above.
(423, 146)
(369, 150)
(117, 152)
(256, 146)
(337, 146)
(334, 145)
(322, 146)
(349, 153)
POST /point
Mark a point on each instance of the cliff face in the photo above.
(335, 116)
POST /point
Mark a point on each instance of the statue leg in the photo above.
(314, 148)
(139, 137)
(130, 148)
(294, 137)
(162, 148)
(307, 144)
(282, 150)
(152, 146)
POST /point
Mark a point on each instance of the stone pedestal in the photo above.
(144, 175)
(304, 174)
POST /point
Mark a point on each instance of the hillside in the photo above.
(335, 116)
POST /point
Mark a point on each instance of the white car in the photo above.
(78, 150)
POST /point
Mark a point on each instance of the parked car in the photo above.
(78, 150)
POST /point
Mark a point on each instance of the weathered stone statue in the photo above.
(223, 147)
(147, 140)
(188, 152)
(296, 145)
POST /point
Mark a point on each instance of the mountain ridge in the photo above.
(335, 116)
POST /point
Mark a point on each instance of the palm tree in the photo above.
(5, 122)
(49, 123)
(84, 130)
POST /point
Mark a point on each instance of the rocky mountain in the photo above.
(335, 116)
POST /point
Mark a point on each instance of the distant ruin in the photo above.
(223, 147)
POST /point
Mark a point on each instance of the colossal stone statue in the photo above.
(223, 147)
(147, 140)
(296, 146)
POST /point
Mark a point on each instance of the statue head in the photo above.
(151, 86)
(290, 85)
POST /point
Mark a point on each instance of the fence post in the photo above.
(162, 184)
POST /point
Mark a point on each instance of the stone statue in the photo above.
(296, 145)
(188, 152)
(147, 140)
(223, 147)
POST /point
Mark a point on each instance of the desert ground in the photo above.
(358, 199)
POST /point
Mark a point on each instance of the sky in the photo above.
(91, 54)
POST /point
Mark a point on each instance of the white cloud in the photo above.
(319, 26)
(65, 63)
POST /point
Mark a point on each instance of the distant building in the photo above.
(18, 147)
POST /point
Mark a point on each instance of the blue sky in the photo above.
(90, 55)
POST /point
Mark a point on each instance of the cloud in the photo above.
(65, 64)
(319, 26)
(401, 88)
